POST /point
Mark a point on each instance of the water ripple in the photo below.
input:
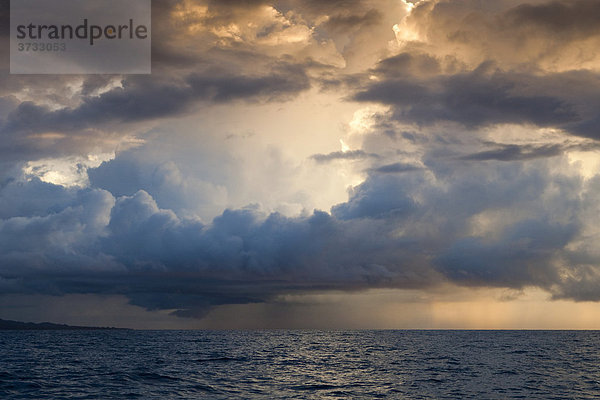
(299, 365)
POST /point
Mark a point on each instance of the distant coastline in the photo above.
(8, 325)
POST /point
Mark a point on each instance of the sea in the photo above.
(280, 364)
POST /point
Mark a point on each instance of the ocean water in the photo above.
(300, 365)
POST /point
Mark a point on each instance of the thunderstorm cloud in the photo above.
(470, 131)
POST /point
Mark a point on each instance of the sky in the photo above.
(333, 164)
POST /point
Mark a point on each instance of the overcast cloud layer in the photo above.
(469, 155)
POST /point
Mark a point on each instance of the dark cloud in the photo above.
(411, 64)
(563, 19)
(395, 168)
(396, 230)
(190, 66)
(486, 96)
(238, 3)
(540, 37)
(342, 155)
(517, 219)
(33, 199)
(518, 152)
(520, 257)
(191, 182)
(474, 99)
(381, 197)
(143, 98)
(162, 262)
(511, 152)
(353, 22)
(316, 7)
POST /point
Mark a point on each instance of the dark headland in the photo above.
(46, 326)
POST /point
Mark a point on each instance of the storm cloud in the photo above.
(469, 156)
(89, 241)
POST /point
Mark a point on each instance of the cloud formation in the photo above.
(482, 65)
(341, 155)
(473, 162)
(410, 230)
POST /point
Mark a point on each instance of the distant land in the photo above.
(45, 326)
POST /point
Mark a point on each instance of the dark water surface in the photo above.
(300, 365)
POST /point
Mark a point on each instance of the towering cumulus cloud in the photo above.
(469, 156)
